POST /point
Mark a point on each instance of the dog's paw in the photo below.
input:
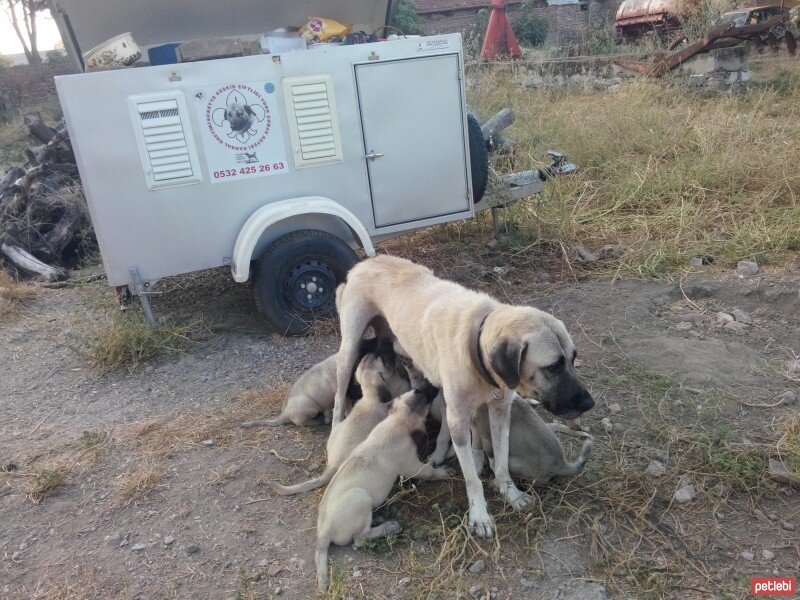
(437, 458)
(517, 499)
(481, 523)
(443, 473)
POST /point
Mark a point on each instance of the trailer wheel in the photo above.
(295, 279)
(478, 158)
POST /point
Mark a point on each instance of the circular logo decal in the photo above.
(269, 87)
(238, 117)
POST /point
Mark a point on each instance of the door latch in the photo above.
(373, 155)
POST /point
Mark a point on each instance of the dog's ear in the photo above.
(249, 110)
(506, 360)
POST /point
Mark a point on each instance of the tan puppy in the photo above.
(478, 350)
(534, 452)
(365, 479)
(372, 373)
(314, 391)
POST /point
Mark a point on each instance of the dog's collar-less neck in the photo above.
(475, 352)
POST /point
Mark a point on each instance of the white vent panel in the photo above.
(164, 135)
(313, 121)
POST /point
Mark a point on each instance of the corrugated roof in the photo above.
(435, 6)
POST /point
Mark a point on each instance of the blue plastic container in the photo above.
(163, 55)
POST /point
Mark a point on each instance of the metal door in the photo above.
(413, 125)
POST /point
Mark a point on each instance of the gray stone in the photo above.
(278, 591)
(404, 582)
(263, 563)
(476, 591)
(767, 554)
(138, 547)
(747, 268)
(192, 549)
(606, 424)
(661, 455)
(685, 493)
(528, 584)
(615, 408)
(724, 318)
(792, 365)
(747, 555)
(736, 328)
(358, 573)
(169, 540)
(696, 262)
(788, 397)
(788, 525)
(684, 326)
(693, 318)
(741, 316)
(655, 469)
(478, 567)
(207, 443)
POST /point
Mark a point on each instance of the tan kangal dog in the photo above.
(365, 479)
(478, 350)
(372, 373)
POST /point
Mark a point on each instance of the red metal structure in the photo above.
(499, 41)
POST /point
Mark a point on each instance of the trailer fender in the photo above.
(267, 216)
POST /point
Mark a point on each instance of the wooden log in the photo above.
(30, 264)
(12, 175)
(497, 123)
(53, 150)
(38, 129)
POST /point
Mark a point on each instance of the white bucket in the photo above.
(119, 51)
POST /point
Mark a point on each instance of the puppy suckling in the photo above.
(372, 374)
(534, 452)
(365, 479)
(313, 393)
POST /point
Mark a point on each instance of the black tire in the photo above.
(288, 266)
(478, 159)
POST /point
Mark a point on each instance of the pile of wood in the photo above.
(44, 222)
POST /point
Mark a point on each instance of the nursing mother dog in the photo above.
(478, 350)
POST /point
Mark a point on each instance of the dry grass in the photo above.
(128, 341)
(668, 173)
(137, 485)
(12, 293)
(13, 140)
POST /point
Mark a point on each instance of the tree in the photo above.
(25, 25)
(406, 19)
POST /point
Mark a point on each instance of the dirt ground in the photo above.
(141, 484)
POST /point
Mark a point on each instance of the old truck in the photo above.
(279, 165)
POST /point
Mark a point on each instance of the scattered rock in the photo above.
(358, 573)
(263, 564)
(788, 525)
(208, 443)
(138, 547)
(767, 554)
(478, 567)
(606, 424)
(192, 549)
(528, 584)
(661, 455)
(696, 261)
(273, 570)
(780, 473)
(724, 318)
(684, 326)
(169, 540)
(277, 591)
(476, 591)
(404, 582)
(747, 268)
(788, 397)
(736, 328)
(741, 316)
(123, 543)
(685, 493)
(693, 318)
(747, 555)
(655, 469)
(615, 408)
(760, 516)
(792, 365)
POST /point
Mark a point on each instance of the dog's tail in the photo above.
(279, 420)
(339, 292)
(311, 484)
(575, 467)
(321, 562)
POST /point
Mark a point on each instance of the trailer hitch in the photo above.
(559, 166)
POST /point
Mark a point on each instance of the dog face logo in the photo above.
(242, 116)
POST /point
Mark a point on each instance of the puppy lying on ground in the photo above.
(372, 373)
(365, 479)
(313, 393)
(534, 450)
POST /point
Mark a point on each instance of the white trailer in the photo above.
(279, 165)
